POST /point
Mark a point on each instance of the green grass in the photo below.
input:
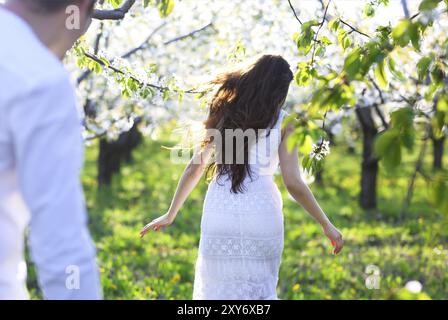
(161, 266)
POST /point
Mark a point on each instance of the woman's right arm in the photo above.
(190, 178)
(301, 192)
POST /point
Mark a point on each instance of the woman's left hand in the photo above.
(335, 237)
(157, 224)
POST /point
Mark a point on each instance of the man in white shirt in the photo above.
(41, 154)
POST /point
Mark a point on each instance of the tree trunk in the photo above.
(319, 177)
(320, 174)
(113, 154)
(369, 167)
(438, 146)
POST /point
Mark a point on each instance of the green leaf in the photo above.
(306, 162)
(442, 103)
(432, 89)
(342, 39)
(320, 51)
(426, 5)
(439, 190)
(401, 133)
(380, 75)
(437, 73)
(406, 31)
(304, 74)
(352, 63)
(303, 41)
(437, 123)
(311, 23)
(403, 118)
(115, 3)
(392, 158)
(408, 139)
(368, 10)
(334, 24)
(126, 93)
(165, 7)
(400, 33)
(393, 69)
(325, 41)
(305, 38)
(384, 141)
(346, 43)
(388, 148)
(423, 66)
(414, 35)
(98, 68)
(307, 145)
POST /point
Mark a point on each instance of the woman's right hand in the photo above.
(157, 224)
(335, 237)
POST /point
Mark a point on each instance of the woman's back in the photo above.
(242, 233)
(263, 158)
(263, 155)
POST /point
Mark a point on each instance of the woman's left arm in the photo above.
(299, 190)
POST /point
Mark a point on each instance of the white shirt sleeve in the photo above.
(48, 151)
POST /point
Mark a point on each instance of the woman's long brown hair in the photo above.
(247, 99)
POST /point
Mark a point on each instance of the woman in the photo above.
(242, 224)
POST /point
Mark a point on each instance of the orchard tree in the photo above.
(412, 94)
(132, 83)
(116, 104)
(391, 78)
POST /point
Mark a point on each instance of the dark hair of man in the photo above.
(52, 5)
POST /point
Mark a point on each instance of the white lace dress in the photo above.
(242, 234)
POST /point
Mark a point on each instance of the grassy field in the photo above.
(161, 266)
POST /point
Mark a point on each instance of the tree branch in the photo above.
(415, 16)
(353, 28)
(142, 84)
(318, 30)
(96, 48)
(376, 106)
(104, 131)
(116, 14)
(294, 11)
(322, 4)
(381, 115)
(418, 168)
(323, 129)
(144, 44)
(188, 35)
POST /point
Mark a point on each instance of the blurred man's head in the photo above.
(65, 7)
(51, 5)
(58, 23)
